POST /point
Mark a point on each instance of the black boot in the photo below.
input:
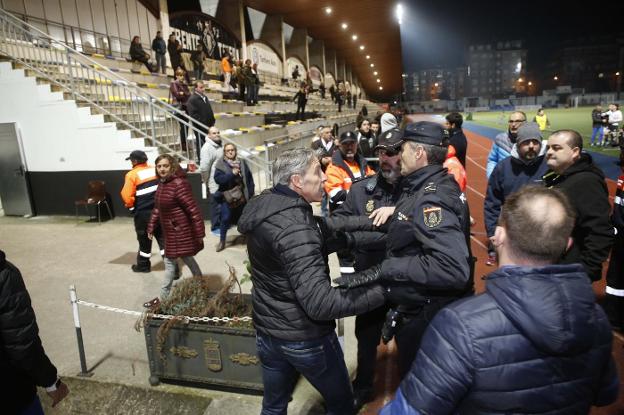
(141, 268)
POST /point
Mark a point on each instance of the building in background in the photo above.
(496, 70)
(435, 84)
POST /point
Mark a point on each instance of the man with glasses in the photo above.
(505, 141)
(212, 151)
(369, 248)
(429, 262)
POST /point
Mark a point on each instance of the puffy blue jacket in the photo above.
(534, 343)
(508, 177)
(500, 151)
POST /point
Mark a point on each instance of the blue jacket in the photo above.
(534, 342)
(500, 151)
(508, 177)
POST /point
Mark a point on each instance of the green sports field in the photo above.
(578, 119)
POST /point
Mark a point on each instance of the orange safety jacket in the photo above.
(140, 187)
(225, 65)
(454, 167)
(341, 174)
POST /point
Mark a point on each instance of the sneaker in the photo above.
(216, 232)
(137, 268)
(491, 260)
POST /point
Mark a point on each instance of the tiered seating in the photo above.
(247, 126)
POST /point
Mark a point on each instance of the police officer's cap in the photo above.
(137, 155)
(390, 139)
(347, 136)
(426, 132)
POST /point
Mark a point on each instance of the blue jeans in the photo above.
(228, 216)
(161, 63)
(34, 408)
(596, 132)
(320, 361)
(215, 212)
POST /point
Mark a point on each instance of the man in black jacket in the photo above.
(160, 49)
(535, 342)
(457, 138)
(198, 107)
(573, 172)
(23, 362)
(294, 305)
(429, 260)
(365, 196)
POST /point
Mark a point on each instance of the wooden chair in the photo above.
(96, 195)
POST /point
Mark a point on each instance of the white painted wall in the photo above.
(56, 134)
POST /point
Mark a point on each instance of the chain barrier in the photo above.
(163, 316)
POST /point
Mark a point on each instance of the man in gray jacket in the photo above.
(211, 151)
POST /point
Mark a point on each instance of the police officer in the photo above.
(428, 247)
(138, 192)
(382, 189)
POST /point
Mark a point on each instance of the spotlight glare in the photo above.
(354, 37)
(367, 56)
(372, 65)
(399, 13)
(361, 47)
(381, 88)
(375, 73)
(328, 10)
(378, 80)
(344, 26)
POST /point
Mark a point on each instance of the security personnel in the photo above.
(347, 167)
(429, 261)
(365, 196)
(138, 196)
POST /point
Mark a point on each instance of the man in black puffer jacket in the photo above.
(535, 342)
(573, 172)
(294, 305)
(23, 362)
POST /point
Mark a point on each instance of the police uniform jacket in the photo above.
(364, 197)
(428, 241)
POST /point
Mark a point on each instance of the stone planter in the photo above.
(205, 354)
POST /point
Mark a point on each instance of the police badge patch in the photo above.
(370, 206)
(432, 216)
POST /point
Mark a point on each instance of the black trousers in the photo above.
(614, 300)
(300, 110)
(368, 333)
(411, 331)
(141, 219)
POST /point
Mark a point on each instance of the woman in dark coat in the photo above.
(178, 215)
(231, 171)
(138, 54)
(174, 48)
(180, 92)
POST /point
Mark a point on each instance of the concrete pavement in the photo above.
(55, 252)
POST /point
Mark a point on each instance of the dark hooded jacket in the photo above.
(584, 185)
(535, 342)
(23, 362)
(292, 296)
(509, 176)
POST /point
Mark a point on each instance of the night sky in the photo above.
(436, 33)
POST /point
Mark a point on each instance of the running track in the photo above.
(386, 381)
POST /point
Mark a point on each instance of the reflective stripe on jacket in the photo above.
(139, 187)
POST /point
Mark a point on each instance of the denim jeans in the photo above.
(596, 132)
(172, 270)
(161, 63)
(34, 408)
(320, 361)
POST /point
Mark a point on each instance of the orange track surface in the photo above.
(386, 380)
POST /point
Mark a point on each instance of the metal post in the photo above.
(151, 105)
(83, 361)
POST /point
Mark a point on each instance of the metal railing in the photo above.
(89, 83)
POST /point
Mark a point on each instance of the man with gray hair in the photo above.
(212, 151)
(294, 304)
